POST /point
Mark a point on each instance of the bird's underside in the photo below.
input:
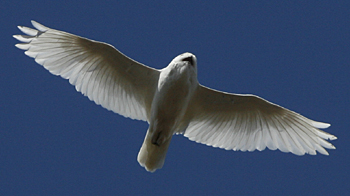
(171, 100)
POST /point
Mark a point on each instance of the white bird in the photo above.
(171, 100)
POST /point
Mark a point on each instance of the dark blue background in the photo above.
(54, 141)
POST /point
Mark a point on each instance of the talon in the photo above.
(155, 139)
(155, 143)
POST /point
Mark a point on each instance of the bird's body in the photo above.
(176, 85)
(171, 100)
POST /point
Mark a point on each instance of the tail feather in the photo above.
(151, 156)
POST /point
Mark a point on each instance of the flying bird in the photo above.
(171, 99)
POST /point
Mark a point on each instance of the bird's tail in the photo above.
(152, 156)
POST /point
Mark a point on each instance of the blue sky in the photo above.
(54, 141)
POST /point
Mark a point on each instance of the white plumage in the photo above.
(171, 100)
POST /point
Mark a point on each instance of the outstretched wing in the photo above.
(97, 70)
(248, 122)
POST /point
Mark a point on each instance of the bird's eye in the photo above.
(188, 59)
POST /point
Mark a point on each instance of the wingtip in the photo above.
(39, 26)
(23, 46)
(33, 22)
(320, 125)
(326, 125)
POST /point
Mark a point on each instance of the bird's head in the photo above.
(187, 58)
(185, 61)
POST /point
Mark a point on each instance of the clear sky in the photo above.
(54, 141)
